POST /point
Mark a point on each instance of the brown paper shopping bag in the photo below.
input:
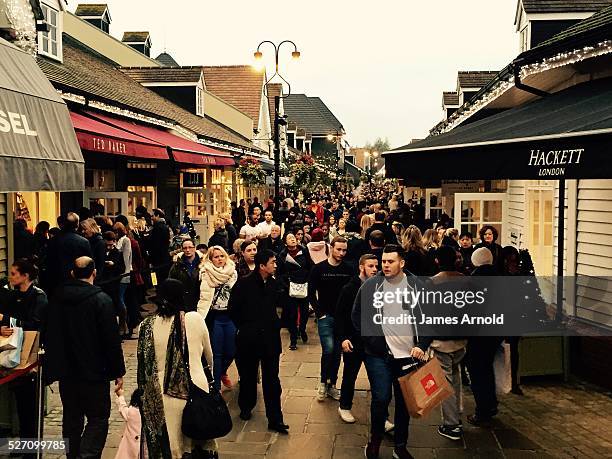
(425, 388)
(29, 349)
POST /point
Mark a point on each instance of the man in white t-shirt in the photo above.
(265, 227)
(250, 231)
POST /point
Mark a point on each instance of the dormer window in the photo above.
(199, 101)
(50, 42)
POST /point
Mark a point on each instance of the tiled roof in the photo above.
(163, 74)
(87, 73)
(166, 60)
(274, 89)
(91, 9)
(135, 37)
(474, 79)
(564, 6)
(450, 98)
(311, 114)
(239, 85)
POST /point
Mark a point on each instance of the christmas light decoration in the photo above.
(21, 17)
(559, 60)
(73, 97)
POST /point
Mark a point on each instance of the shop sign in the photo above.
(17, 123)
(108, 145)
(193, 180)
(553, 162)
(450, 187)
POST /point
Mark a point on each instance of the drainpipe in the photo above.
(524, 87)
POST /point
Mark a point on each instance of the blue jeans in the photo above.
(382, 374)
(223, 345)
(331, 350)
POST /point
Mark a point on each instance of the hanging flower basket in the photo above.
(251, 172)
(304, 173)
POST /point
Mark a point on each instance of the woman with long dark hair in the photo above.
(163, 376)
(246, 262)
(488, 238)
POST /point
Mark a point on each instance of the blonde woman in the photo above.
(430, 240)
(92, 232)
(220, 236)
(232, 235)
(365, 223)
(417, 260)
(218, 274)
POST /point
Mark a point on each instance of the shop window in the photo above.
(37, 206)
(50, 42)
(474, 210)
(99, 180)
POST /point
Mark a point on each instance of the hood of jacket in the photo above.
(74, 292)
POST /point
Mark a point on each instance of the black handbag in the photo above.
(205, 415)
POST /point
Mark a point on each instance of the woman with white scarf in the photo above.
(218, 274)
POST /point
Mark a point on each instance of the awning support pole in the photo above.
(560, 249)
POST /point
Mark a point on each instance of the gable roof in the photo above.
(312, 114)
(135, 37)
(564, 6)
(163, 74)
(166, 60)
(450, 98)
(239, 85)
(474, 78)
(89, 74)
(91, 9)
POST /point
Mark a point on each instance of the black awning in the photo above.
(38, 146)
(565, 135)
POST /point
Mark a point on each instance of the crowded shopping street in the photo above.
(275, 250)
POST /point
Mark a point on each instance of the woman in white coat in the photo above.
(163, 376)
(218, 274)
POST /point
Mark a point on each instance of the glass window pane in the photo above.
(470, 211)
(492, 211)
(53, 17)
(548, 234)
(45, 43)
(548, 211)
(535, 234)
(53, 33)
(54, 48)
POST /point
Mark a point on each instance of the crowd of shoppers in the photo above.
(324, 255)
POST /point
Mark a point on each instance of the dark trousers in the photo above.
(133, 307)
(247, 364)
(26, 398)
(352, 365)
(80, 400)
(331, 350)
(296, 307)
(481, 354)
(514, 358)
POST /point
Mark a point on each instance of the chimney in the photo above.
(140, 41)
(96, 14)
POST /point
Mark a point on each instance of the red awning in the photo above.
(97, 137)
(184, 150)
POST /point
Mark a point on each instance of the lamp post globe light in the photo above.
(278, 119)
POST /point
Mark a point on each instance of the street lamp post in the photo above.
(278, 119)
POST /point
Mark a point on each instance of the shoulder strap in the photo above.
(205, 365)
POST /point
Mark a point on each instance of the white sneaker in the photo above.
(346, 416)
(389, 426)
(332, 392)
(322, 392)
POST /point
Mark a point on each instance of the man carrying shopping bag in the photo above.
(390, 351)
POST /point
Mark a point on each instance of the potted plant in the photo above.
(251, 172)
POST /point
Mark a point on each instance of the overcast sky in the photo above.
(380, 66)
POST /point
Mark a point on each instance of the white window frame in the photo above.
(503, 197)
(46, 36)
(524, 38)
(199, 101)
(428, 208)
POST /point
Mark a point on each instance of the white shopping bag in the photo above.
(12, 357)
(503, 370)
(9, 343)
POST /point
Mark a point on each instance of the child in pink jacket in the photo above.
(129, 448)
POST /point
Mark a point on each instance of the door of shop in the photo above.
(473, 210)
(109, 203)
(540, 239)
(141, 196)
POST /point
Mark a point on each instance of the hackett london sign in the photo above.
(554, 162)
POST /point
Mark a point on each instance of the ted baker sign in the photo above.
(553, 162)
(107, 145)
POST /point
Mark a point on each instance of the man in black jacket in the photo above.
(391, 350)
(352, 347)
(159, 247)
(83, 353)
(252, 307)
(379, 224)
(64, 248)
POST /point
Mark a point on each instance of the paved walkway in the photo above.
(556, 420)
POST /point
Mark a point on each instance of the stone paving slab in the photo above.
(552, 420)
